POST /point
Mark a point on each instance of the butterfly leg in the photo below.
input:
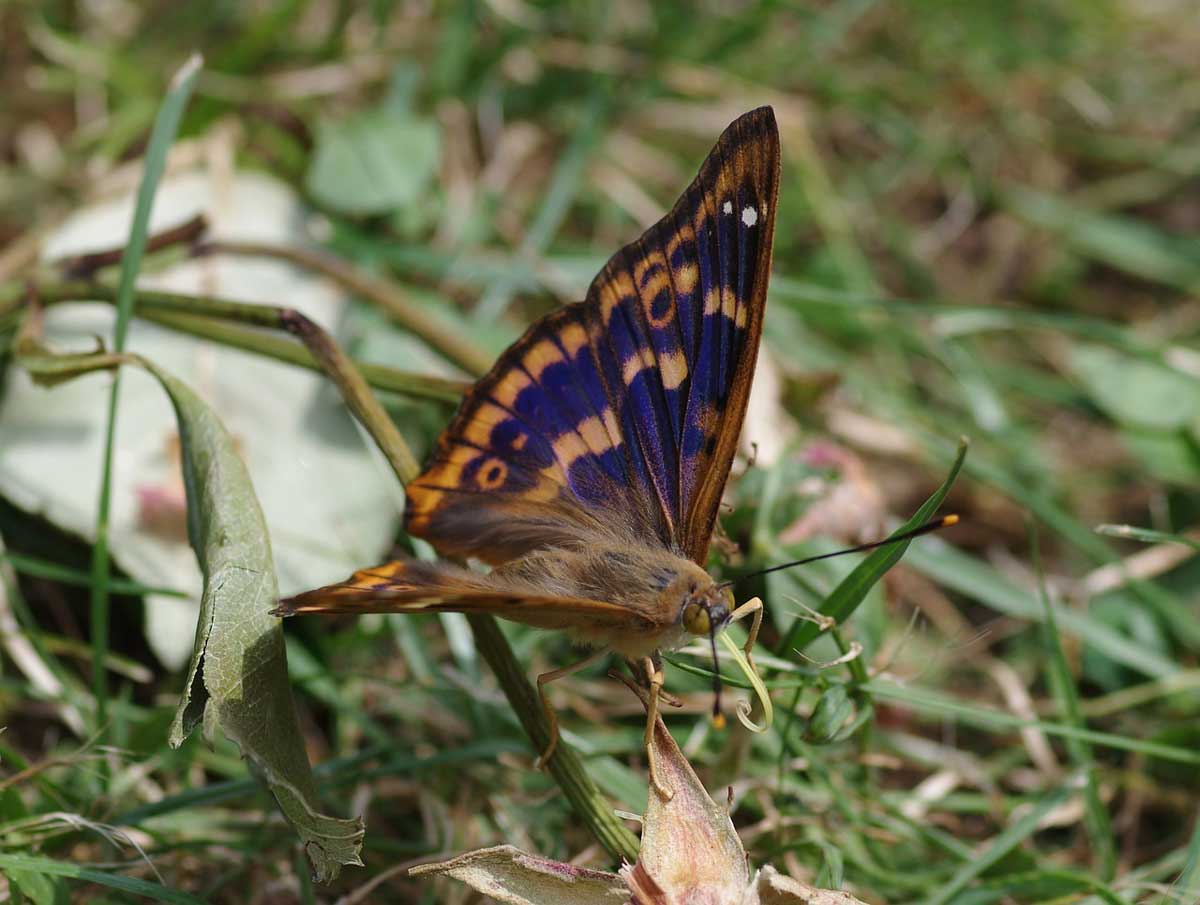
(754, 607)
(551, 717)
(665, 697)
(654, 680)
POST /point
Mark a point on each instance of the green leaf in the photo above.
(1137, 391)
(1168, 455)
(846, 597)
(36, 886)
(237, 678)
(374, 162)
(834, 708)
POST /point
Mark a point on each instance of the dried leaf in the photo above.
(509, 875)
(775, 888)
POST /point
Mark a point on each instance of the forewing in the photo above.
(413, 586)
(621, 413)
(676, 319)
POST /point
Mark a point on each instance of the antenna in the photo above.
(934, 525)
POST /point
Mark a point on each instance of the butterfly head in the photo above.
(706, 610)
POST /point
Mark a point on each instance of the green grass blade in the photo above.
(1147, 535)
(1061, 522)
(50, 867)
(1062, 683)
(165, 127)
(981, 581)
(988, 718)
(1187, 887)
(846, 597)
(41, 568)
(1002, 844)
(1050, 885)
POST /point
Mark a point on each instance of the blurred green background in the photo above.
(988, 225)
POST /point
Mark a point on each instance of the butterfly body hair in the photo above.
(652, 586)
(604, 594)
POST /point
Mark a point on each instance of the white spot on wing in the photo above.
(728, 208)
(749, 216)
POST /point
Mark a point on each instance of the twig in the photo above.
(383, 293)
(84, 266)
(208, 317)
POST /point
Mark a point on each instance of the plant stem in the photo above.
(565, 765)
(390, 380)
(366, 408)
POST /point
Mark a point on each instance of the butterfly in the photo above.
(588, 465)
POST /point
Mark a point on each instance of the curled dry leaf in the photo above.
(237, 678)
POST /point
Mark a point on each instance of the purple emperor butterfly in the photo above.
(588, 465)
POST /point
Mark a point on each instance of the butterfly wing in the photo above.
(620, 414)
(677, 318)
(413, 586)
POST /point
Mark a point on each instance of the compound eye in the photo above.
(695, 619)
